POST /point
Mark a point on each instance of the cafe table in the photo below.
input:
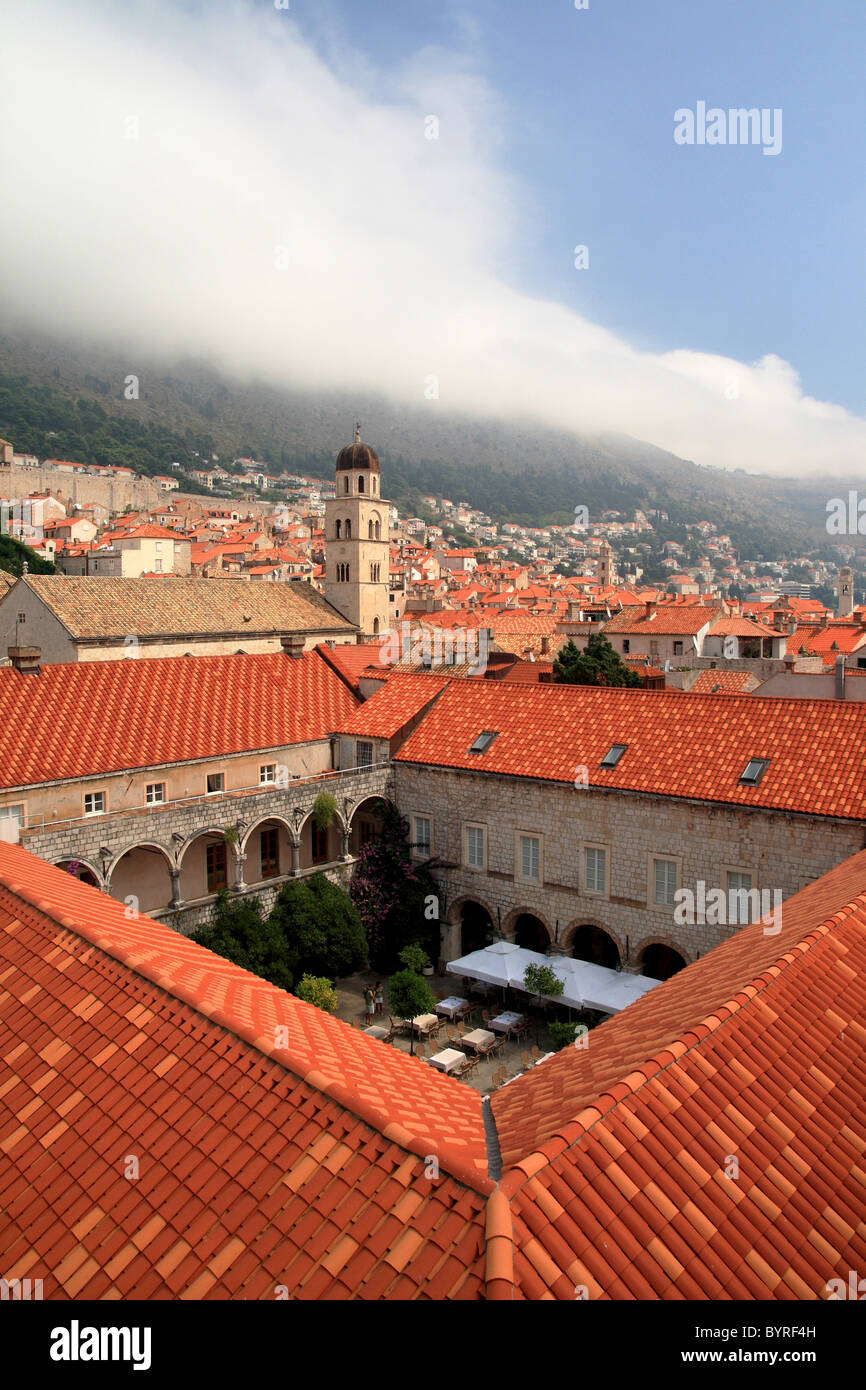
(448, 1060)
(507, 1022)
(424, 1023)
(377, 1031)
(479, 1040)
(452, 1006)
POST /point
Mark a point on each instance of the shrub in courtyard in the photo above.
(391, 892)
(319, 991)
(321, 927)
(241, 933)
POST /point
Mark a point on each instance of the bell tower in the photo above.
(357, 541)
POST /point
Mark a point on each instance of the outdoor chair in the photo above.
(536, 1054)
(522, 1029)
(526, 1060)
(462, 1029)
(498, 1044)
(398, 1025)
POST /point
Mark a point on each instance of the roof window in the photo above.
(483, 741)
(755, 769)
(612, 758)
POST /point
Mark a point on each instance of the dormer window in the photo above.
(483, 741)
(612, 757)
(754, 771)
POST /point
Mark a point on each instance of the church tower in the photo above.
(357, 541)
(846, 592)
(605, 572)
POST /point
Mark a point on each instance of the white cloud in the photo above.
(248, 141)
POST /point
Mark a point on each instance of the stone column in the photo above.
(176, 899)
(240, 859)
(296, 859)
(345, 849)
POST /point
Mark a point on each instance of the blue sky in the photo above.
(725, 249)
(258, 187)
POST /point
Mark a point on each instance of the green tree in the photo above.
(318, 990)
(599, 664)
(414, 958)
(321, 926)
(541, 981)
(324, 810)
(241, 933)
(13, 553)
(393, 893)
(409, 996)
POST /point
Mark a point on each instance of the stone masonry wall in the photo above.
(779, 851)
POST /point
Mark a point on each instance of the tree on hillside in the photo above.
(241, 933)
(598, 665)
(391, 892)
(321, 927)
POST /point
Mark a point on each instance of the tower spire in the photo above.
(357, 431)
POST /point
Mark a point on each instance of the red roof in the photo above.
(163, 710)
(261, 1164)
(693, 746)
(724, 683)
(301, 1159)
(757, 1050)
(391, 708)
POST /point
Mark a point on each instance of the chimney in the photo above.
(792, 626)
(545, 646)
(650, 609)
(840, 677)
(293, 644)
(25, 659)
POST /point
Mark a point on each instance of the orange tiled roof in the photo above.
(260, 1164)
(756, 1051)
(724, 683)
(399, 700)
(54, 726)
(678, 745)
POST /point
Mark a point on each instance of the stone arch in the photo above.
(348, 529)
(466, 917)
(360, 482)
(364, 820)
(593, 942)
(375, 627)
(338, 527)
(85, 872)
(268, 856)
(192, 861)
(525, 927)
(661, 954)
(142, 871)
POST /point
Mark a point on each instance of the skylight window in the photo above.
(612, 758)
(483, 741)
(755, 769)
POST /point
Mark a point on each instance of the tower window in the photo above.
(348, 529)
(361, 483)
(339, 528)
(346, 483)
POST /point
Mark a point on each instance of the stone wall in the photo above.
(113, 493)
(780, 851)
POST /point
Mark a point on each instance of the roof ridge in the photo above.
(365, 1110)
(572, 1131)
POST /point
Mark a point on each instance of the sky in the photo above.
(481, 208)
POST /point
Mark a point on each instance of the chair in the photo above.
(461, 1028)
(421, 1051)
(398, 1025)
(497, 1045)
(526, 1060)
(523, 1028)
(536, 1054)
(485, 1014)
(433, 1030)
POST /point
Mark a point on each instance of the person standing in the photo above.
(369, 1004)
(380, 998)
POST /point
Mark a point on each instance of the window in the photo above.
(267, 774)
(664, 881)
(154, 793)
(270, 852)
(530, 857)
(157, 566)
(339, 528)
(595, 870)
(363, 754)
(612, 757)
(741, 905)
(678, 648)
(366, 831)
(626, 645)
(422, 836)
(216, 782)
(346, 483)
(483, 741)
(348, 529)
(475, 846)
(361, 483)
(94, 803)
(158, 547)
(320, 844)
(15, 812)
(755, 769)
(217, 871)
